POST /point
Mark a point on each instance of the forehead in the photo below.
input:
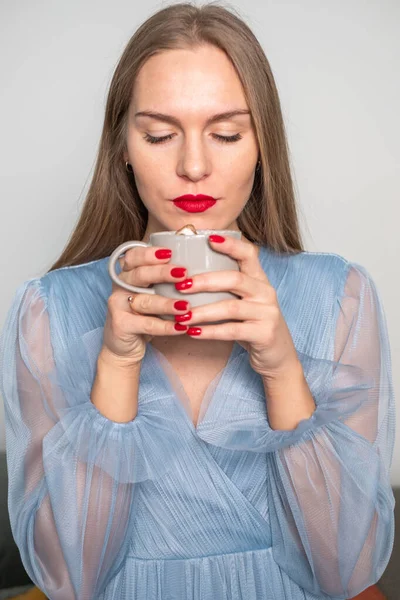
(195, 79)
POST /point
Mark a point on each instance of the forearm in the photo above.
(289, 399)
(116, 387)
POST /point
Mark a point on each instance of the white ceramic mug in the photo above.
(190, 251)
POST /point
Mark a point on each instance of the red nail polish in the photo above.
(194, 331)
(216, 238)
(185, 317)
(163, 253)
(180, 327)
(181, 305)
(184, 285)
(178, 272)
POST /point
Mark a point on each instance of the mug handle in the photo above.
(118, 252)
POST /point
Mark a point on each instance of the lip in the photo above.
(194, 203)
(192, 197)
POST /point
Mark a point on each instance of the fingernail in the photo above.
(216, 238)
(178, 272)
(194, 331)
(181, 305)
(184, 285)
(163, 253)
(180, 327)
(185, 317)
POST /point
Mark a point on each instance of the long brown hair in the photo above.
(113, 211)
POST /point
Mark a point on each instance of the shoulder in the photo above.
(79, 282)
(74, 297)
(306, 270)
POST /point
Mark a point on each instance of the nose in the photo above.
(194, 162)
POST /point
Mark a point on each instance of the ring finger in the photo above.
(153, 304)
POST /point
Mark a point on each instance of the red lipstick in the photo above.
(192, 204)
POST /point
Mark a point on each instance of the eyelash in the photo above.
(222, 138)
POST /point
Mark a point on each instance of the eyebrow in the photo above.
(170, 119)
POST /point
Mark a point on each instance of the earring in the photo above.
(130, 170)
(258, 165)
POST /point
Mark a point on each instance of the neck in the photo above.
(185, 345)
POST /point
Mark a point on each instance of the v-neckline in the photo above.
(174, 384)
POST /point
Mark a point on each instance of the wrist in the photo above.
(115, 390)
(109, 360)
(291, 373)
(289, 399)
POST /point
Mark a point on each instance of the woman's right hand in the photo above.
(129, 326)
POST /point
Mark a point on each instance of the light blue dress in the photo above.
(229, 509)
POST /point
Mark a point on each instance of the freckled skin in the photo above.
(191, 85)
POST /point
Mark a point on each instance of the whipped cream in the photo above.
(187, 230)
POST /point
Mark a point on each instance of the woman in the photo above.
(148, 459)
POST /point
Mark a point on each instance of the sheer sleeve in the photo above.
(331, 503)
(72, 472)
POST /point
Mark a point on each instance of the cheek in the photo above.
(241, 175)
(242, 165)
(144, 164)
(149, 179)
(149, 165)
(141, 152)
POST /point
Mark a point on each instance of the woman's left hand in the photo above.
(257, 322)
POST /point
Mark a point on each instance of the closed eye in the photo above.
(222, 138)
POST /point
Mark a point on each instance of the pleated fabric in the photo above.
(228, 509)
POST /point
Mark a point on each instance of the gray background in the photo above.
(336, 65)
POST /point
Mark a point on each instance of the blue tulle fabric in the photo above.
(161, 508)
